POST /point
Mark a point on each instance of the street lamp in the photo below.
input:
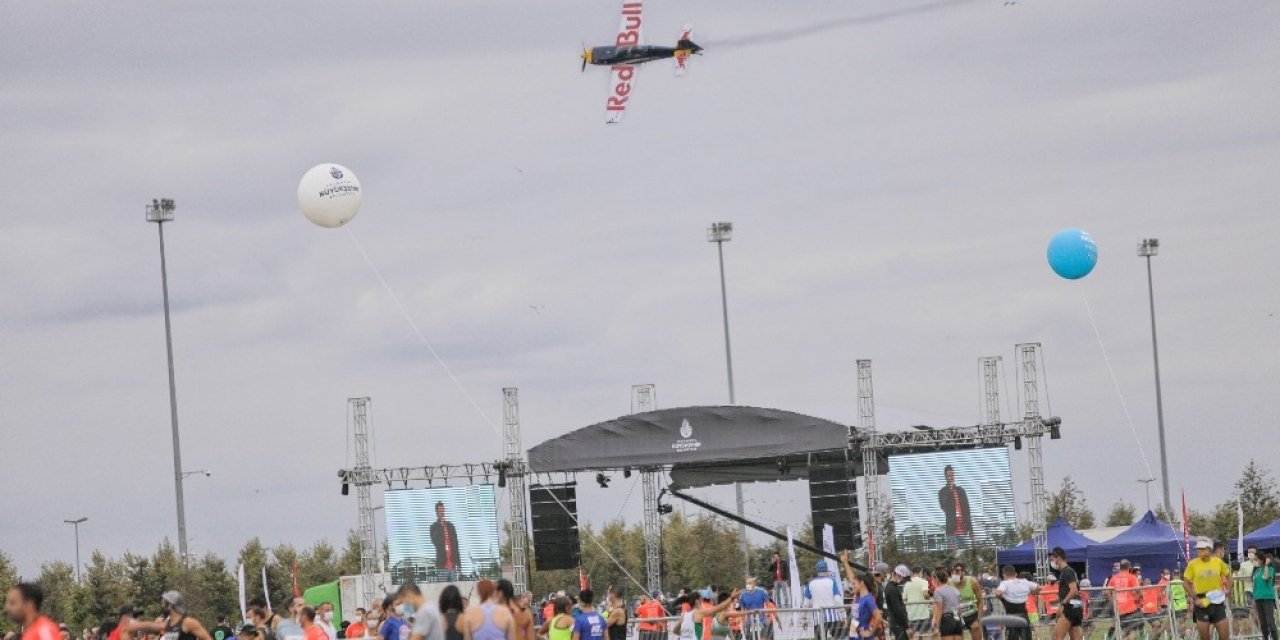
(76, 523)
(160, 212)
(197, 472)
(720, 233)
(1146, 483)
(1147, 250)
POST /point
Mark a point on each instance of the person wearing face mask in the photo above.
(427, 623)
(324, 620)
(1244, 577)
(358, 628)
(174, 623)
(971, 597)
(1072, 613)
(393, 626)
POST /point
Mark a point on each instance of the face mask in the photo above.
(328, 616)
(406, 611)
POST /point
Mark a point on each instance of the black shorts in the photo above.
(1212, 614)
(1074, 615)
(970, 620)
(951, 625)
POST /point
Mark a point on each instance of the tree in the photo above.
(349, 561)
(8, 576)
(1122, 514)
(58, 579)
(1069, 504)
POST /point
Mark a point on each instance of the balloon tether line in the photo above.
(463, 390)
(1116, 383)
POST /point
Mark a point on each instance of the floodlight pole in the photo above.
(160, 212)
(1149, 248)
(76, 523)
(720, 233)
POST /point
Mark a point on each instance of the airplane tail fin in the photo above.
(685, 48)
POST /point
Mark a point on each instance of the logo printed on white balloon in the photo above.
(329, 195)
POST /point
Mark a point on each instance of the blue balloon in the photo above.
(1072, 253)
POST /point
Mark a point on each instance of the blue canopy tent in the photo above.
(1149, 542)
(1060, 535)
(1267, 537)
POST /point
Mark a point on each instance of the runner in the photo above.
(1014, 592)
(617, 617)
(971, 597)
(590, 625)
(894, 603)
(691, 622)
(559, 626)
(948, 624)
(174, 623)
(222, 631)
(1208, 580)
(915, 594)
(451, 608)
(358, 629)
(491, 620)
(426, 617)
(1068, 598)
(525, 627)
(22, 606)
(394, 628)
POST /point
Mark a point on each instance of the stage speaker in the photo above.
(833, 500)
(554, 509)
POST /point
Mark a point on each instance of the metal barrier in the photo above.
(763, 624)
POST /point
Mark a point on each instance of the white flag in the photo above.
(829, 545)
(244, 610)
(266, 592)
(797, 595)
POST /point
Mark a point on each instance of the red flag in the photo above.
(1186, 529)
(871, 548)
(296, 591)
(583, 585)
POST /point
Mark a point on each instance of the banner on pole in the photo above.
(829, 545)
(244, 609)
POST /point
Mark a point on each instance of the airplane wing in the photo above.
(622, 79)
(629, 31)
(682, 55)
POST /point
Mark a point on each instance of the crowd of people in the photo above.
(899, 602)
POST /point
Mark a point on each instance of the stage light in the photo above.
(603, 480)
(626, 472)
(664, 509)
(784, 467)
(1017, 443)
(502, 476)
(1055, 433)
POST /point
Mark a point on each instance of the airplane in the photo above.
(627, 53)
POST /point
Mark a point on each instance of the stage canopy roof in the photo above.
(704, 445)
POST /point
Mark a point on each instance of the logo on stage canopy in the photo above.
(686, 441)
(336, 173)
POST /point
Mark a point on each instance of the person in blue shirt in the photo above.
(590, 624)
(753, 599)
(394, 628)
(865, 606)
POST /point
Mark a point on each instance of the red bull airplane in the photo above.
(627, 53)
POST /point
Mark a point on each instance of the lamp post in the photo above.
(76, 523)
(720, 233)
(1148, 249)
(160, 212)
(1146, 483)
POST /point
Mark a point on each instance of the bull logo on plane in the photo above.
(627, 52)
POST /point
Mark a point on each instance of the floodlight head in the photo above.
(160, 210)
(1148, 248)
(720, 232)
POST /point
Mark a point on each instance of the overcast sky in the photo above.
(892, 182)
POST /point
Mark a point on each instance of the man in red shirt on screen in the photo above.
(954, 503)
(444, 537)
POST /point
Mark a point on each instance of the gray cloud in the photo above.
(892, 184)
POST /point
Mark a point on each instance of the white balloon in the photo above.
(329, 195)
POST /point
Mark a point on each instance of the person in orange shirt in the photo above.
(1127, 598)
(358, 628)
(649, 609)
(311, 630)
(22, 607)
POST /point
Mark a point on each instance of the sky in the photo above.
(893, 171)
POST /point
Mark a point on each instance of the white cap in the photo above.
(1203, 543)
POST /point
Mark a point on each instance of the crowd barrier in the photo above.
(1141, 613)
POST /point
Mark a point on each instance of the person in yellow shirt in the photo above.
(1208, 580)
